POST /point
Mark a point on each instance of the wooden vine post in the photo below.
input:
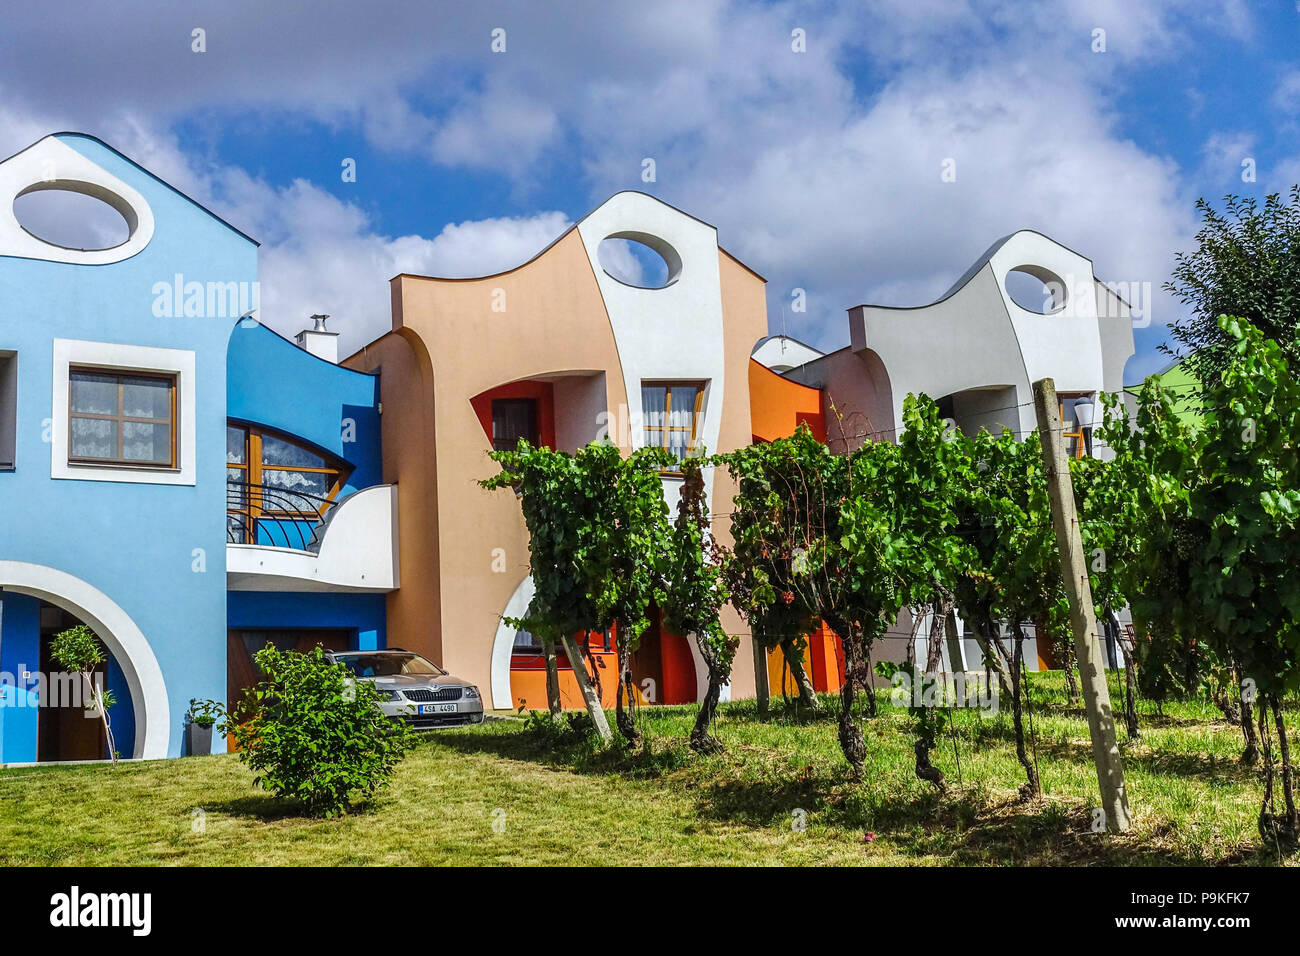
(1087, 648)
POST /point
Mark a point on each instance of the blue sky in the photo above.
(821, 169)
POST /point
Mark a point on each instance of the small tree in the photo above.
(597, 538)
(931, 472)
(632, 551)
(788, 495)
(78, 651)
(1137, 512)
(310, 731)
(1103, 537)
(1014, 558)
(694, 593)
(1246, 520)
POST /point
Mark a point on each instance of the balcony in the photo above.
(282, 540)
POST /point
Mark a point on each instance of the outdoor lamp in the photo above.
(1083, 409)
(1083, 412)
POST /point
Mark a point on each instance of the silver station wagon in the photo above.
(415, 689)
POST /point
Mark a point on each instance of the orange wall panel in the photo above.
(823, 661)
(528, 682)
(778, 405)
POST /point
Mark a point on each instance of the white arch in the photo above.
(115, 628)
(503, 644)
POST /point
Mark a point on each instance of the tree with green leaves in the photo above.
(1136, 516)
(694, 593)
(1099, 497)
(1247, 264)
(1009, 528)
(1232, 487)
(913, 515)
(1245, 512)
(849, 540)
(598, 538)
(78, 651)
(784, 512)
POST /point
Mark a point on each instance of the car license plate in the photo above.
(437, 708)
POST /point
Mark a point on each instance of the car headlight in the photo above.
(388, 694)
(471, 693)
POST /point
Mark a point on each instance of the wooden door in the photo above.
(69, 733)
(242, 644)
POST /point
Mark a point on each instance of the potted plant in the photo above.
(199, 720)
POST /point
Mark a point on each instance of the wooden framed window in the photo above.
(125, 419)
(671, 411)
(513, 419)
(268, 473)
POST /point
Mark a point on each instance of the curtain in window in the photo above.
(681, 420)
(668, 412)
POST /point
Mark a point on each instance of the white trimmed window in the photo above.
(123, 413)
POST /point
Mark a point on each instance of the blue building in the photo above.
(172, 474)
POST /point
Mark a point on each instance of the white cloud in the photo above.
(499, 128)
(821, 169)
(333, 262)
(1287, 173)
(1150, 30)
(1286, 96)
(1223, 153)
(817, 187)
(319, 253)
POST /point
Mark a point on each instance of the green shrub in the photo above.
(312, 733)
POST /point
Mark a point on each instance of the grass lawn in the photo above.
(554, 800)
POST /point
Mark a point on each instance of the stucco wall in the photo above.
(744, 322)
(410, 460)
(856, 395)
(554, 322)
(778, 405)
(157, 551)
(464, 551)
(274, 383)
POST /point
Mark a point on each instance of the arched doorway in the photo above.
(120, 635)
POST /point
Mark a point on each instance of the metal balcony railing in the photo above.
(276, 517)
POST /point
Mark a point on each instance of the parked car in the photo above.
(415, 689)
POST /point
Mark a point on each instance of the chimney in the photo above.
(318, 341)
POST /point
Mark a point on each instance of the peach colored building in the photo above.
(561, 351)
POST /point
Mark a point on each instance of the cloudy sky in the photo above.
(822, 169)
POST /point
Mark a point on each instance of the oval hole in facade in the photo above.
(71, 219)
(1037, 291)
(635, 259)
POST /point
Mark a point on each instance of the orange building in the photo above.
(574, 345)
(778, 406)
